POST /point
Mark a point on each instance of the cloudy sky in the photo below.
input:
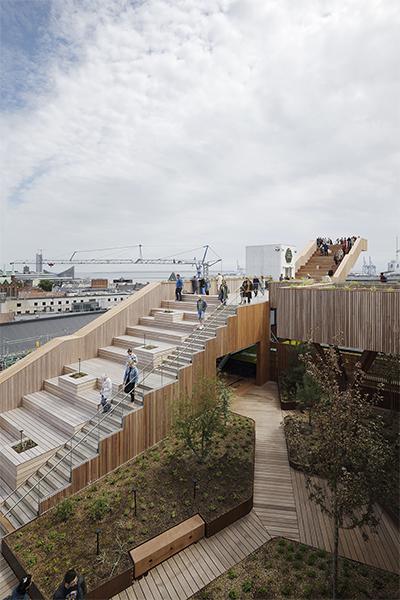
(177, 123)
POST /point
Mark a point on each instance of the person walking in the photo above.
(131, 356)
(219, 281)
(208, 286)
(202, 285)
(195, 284)
(201, 305)
(73, 587)
(223, 292)
(105, 392)
(256, 285)
(21, 591)
(178, 287)
(262, 285)
(247, 289)
(131, 377)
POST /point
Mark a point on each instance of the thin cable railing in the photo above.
(197, 333)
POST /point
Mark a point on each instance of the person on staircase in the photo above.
(131, 377)
(195, 284)
(219, 282)
(223, 292)
(202, 285)
(178, 287)
(201, 305)
(131, 356)
(105, 392)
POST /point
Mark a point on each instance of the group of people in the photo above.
(250, 286)
(346, 243)
(130, 379)
(73, 587)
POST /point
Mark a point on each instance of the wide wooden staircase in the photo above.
(318, 266)
(63, 418)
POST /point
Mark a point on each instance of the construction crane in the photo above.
(202, 265)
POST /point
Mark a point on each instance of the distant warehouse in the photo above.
(271, 260)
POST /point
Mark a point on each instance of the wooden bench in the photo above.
(163, 546)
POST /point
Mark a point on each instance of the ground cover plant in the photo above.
(285, 569)
(171, 485)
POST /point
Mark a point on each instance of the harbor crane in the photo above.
(202, 265)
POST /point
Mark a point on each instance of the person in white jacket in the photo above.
(105, 392)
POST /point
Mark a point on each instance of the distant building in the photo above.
(99, 284)
(271, 260)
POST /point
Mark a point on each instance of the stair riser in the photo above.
(51, 418)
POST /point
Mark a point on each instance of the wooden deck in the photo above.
(281, 508)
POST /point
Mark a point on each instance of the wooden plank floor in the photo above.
(380, 550)
(182, 575)
(273, 490)
(8, 581)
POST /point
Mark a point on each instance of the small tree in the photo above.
(46, 285)
(348, 450)
(201, 415)
(308, 395)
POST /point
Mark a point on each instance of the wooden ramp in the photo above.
(188, 571)
(8, 581)
(273, 491)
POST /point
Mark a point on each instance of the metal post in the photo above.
(70, 464)
(79, 362)
(98, 429)
(38, 504)
(194, 488)
(122, 411)
(134, 501)
(21, 431)
(98, 531)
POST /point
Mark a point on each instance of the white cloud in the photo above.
(229, 123)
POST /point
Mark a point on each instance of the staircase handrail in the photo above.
(219, 310)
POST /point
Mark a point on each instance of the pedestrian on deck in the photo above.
(202, 284)
(131, 356)
(261, 286)
(281, 277)
(208, 286)
(201, 305)
(223, 292)
(21, 591)
(195, 284)
(73, 587)
(256, 285)
(105, 392)
(178, 287)
(219, 281)
(131, 377)
(247, 288)
(383, 278)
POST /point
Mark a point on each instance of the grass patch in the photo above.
(163, 476)
(264, 576)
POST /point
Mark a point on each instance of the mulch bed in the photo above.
(163, 477)
(285, 569)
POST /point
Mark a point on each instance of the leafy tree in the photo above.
(46, 285)
(202, 414)
(348, 450)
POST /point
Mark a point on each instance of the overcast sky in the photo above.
(187, 122)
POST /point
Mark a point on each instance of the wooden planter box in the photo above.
(237, 512)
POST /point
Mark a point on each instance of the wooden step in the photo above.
(153, 333)
(176, 326)
(56, 412)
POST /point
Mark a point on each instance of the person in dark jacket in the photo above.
(131, 377)
(256, 285)
(201, 306)
(178, 287)
(73, 587)
(21, 591)
(247, 286)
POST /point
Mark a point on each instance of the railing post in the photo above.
(38, 504)
(122, 411)
(98, 429)
(70, 464)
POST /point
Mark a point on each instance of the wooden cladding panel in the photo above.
(362, 319)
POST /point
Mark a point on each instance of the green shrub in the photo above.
(297, 565)
(311, 559)
(282, 543)
(311, 573)
(247, 586)
(99, 508)
(64, 510)
(232, 574)
(233, 595)
(287, 590)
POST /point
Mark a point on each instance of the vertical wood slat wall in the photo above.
(144, 428)
(361, 319)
